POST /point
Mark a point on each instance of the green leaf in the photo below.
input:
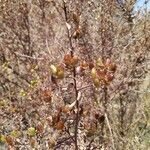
(31, 131)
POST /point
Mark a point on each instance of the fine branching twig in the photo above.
(74, 76)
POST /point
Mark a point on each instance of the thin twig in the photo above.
(84, 87)
(74, 78)
(26, 56)
(110, 130)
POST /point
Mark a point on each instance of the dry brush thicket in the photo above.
(74, 75)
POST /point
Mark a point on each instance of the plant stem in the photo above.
(74, 80)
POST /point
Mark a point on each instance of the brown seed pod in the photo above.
(77, 33)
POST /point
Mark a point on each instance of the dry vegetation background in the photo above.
(74, 74)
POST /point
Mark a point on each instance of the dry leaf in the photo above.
(68, 26)
(40, 128)
(9, 140)
(59, 125)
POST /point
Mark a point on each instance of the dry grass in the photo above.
(35, 110)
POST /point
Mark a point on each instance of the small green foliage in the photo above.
(15, 133)
(2, 139)
(22, 93)
(5, 65)
(3, 103)
(31, 131)
(33, 82)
